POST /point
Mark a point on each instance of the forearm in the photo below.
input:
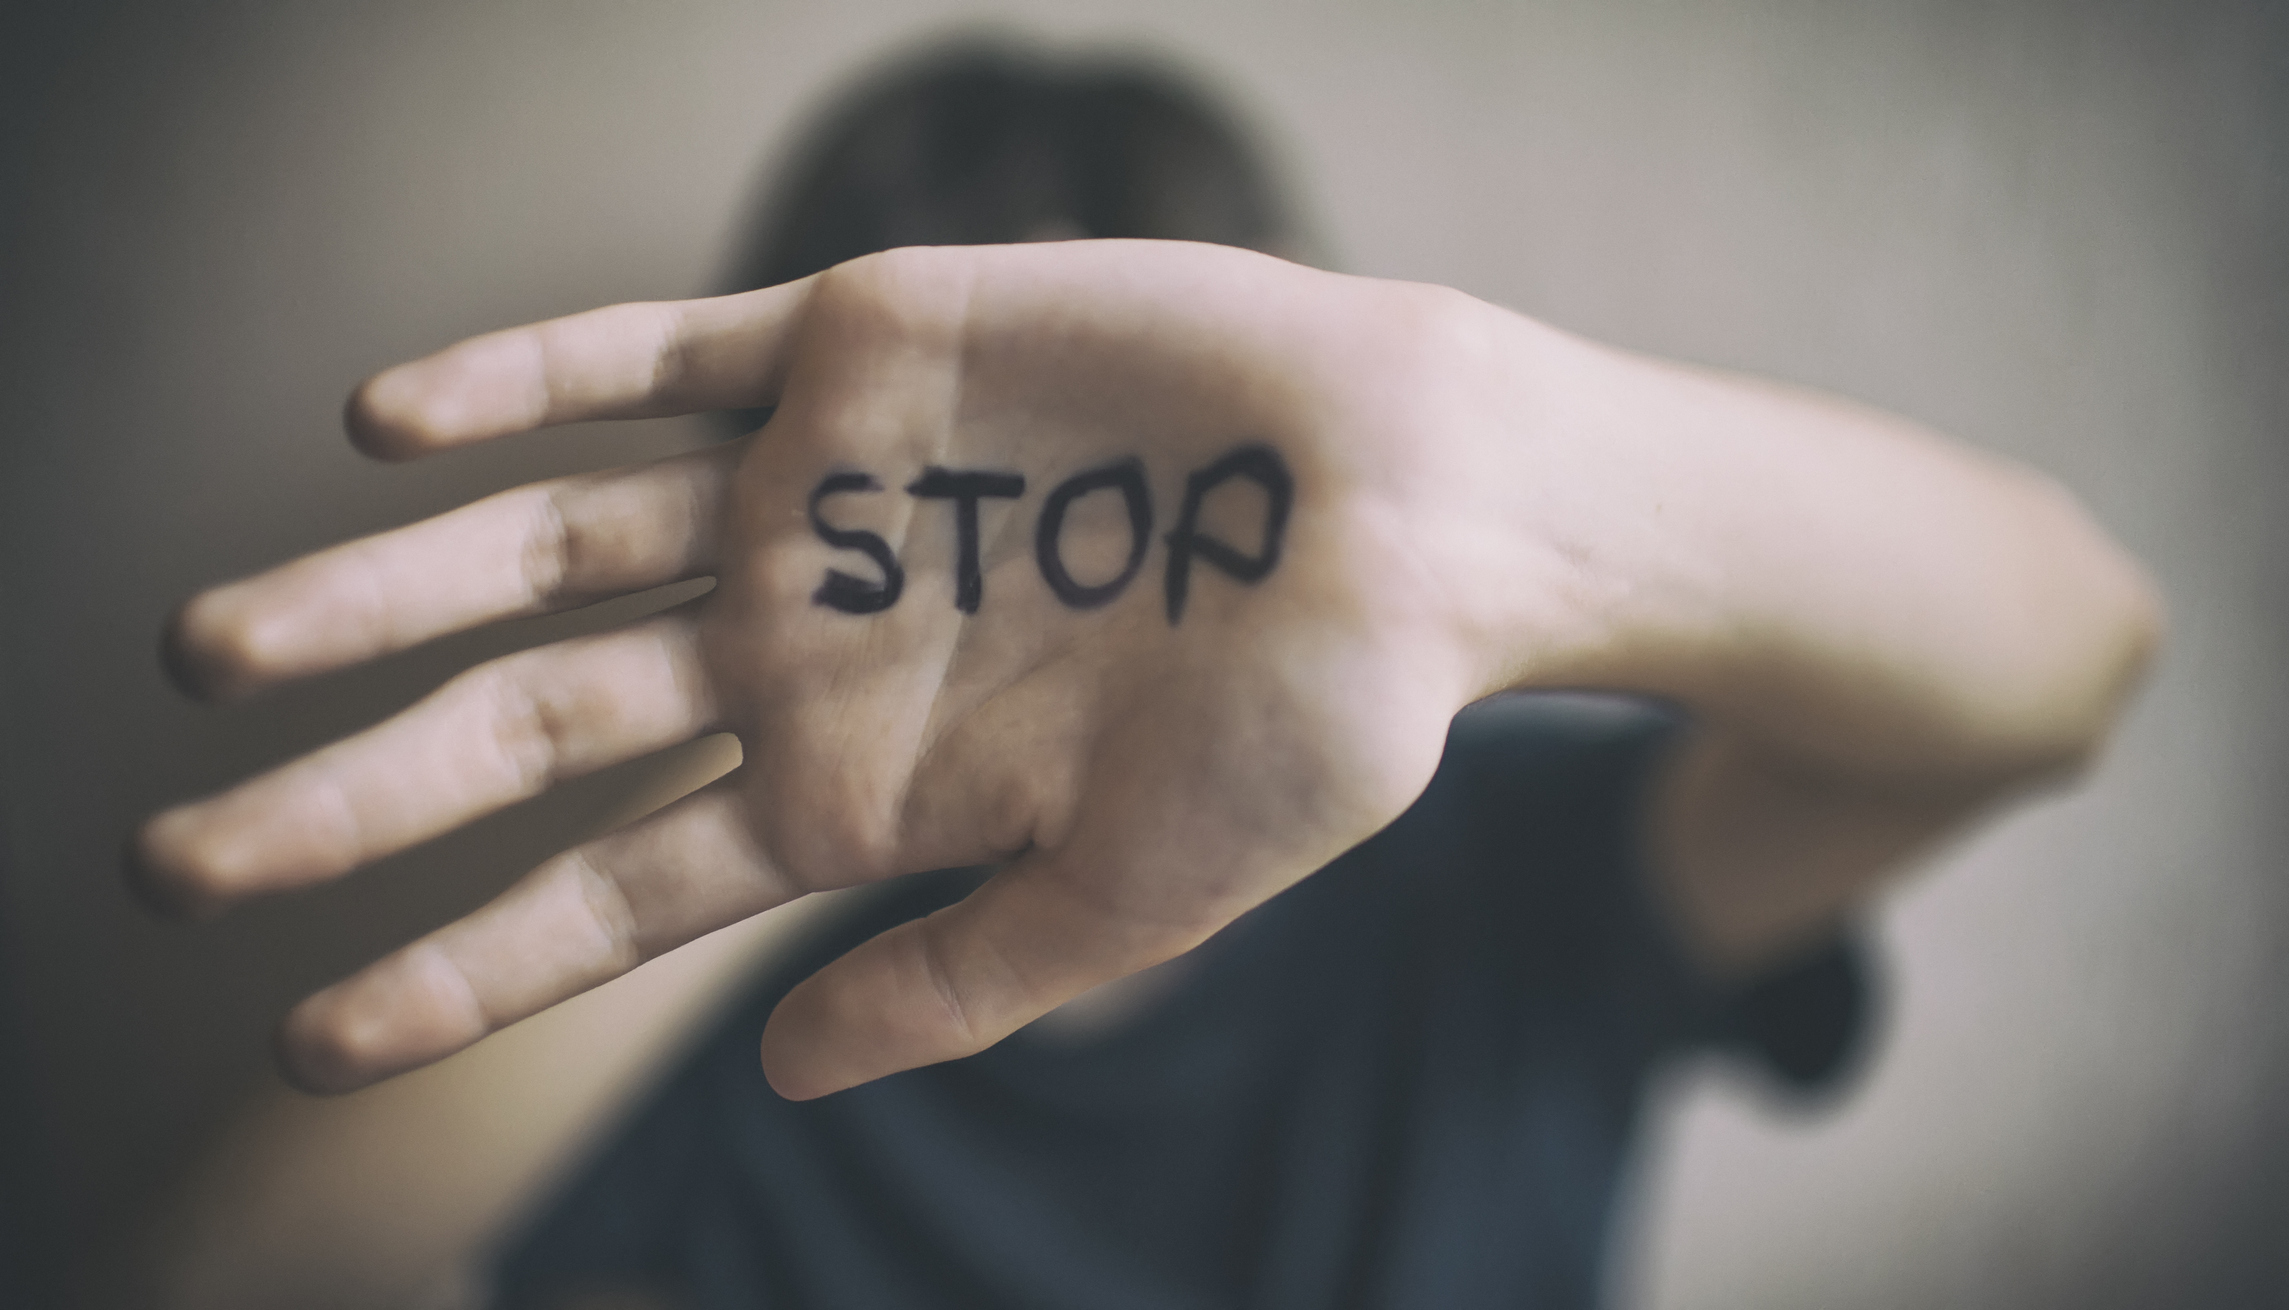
(1848, 593)
(1878, 634)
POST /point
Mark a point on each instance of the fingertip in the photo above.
(188, 659)
(791, 1087)
(308, 1054)
(211, 651)
(485, 387)
(177, 659)
(409, 1009)
(383, 421)
(157, 864)
(787, 1071)
(876, 1011)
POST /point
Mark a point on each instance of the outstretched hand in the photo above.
(1110, 564)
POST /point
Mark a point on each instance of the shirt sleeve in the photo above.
(1556, 787)
(1806, 1021)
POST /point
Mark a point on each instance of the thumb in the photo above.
(957, 981)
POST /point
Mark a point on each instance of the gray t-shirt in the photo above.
(1409, 1081)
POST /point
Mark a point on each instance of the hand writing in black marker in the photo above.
(926, 633)
(1369, 503)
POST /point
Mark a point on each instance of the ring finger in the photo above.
(497, 734)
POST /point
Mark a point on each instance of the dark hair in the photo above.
(982, 142)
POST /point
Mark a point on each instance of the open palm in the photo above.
(1110, 564)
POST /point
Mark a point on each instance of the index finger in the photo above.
(622, 361)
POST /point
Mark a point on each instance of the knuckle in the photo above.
(550, 547)
(532, 727)
(644, 339)
(673, 365)
(584, 540)
(899, 293)
(954, 1007)
(610, 908)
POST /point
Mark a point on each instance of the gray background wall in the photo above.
(2057, 231)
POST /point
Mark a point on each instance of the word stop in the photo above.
(964, 488)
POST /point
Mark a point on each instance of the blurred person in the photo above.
(1086, 596)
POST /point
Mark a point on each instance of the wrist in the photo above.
(1773, 560)
(1551, 521)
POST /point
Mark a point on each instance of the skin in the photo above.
(1878, 634)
